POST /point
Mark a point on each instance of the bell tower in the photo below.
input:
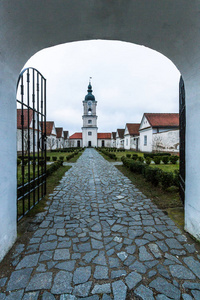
(89, 129)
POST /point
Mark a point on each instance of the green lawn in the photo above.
(120, 154)
(166, 168)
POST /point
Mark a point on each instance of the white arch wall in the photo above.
(171, 27)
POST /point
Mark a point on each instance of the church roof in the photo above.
(163, 119)
(133, 128)
(76, 135)
(105, 135)
(89, 96)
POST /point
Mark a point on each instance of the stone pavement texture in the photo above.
(99, 238)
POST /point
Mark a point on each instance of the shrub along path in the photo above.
(101, 238)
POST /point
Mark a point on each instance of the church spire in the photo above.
(89, 96)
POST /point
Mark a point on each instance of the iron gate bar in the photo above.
(182, 121)
(31, 191)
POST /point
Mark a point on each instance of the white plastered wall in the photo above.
(169, 27)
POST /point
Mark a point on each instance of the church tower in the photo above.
(89, 129)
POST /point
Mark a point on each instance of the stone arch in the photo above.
(169, 27)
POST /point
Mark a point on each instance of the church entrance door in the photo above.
(89, 144)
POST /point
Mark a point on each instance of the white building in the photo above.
(131, 136)
(66, 138)
(59, 138)
(104, 139)
(31, 131)
(159, 132)
(51, 135)
(113, 139)
(120, 139)
(75, 140)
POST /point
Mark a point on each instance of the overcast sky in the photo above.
(127, 80)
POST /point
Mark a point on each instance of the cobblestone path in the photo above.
(99, 238)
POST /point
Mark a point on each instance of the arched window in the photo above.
(89, 111)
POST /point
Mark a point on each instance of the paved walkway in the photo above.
(99, 238)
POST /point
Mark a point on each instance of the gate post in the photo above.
(8, 157)
(192, 182)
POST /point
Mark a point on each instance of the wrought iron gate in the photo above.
(31, 136)
(182, 121)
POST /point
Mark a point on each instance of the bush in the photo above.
(167, 179)
(176, 178)
(18, 161)
(165, 159)
(128, 155)
(134, 156)
(141, 158)
(48, 158)
(61, 157)
(174, 159)
(54, 158)
(41, 162)
(148, 160)
(157, 160)
(153, 175)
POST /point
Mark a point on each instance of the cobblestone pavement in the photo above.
(99, 238)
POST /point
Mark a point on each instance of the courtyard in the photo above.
(99, 237)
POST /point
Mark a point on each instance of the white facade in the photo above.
(159, 138)
(166, 141)
(104, 143)
(73, 143)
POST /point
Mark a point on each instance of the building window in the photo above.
(89, 111)
(89, 121)
(145, 140)
(126, 142)
(89, 132)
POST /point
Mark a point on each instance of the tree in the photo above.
(50, 142)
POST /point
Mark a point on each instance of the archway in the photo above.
(170, 28)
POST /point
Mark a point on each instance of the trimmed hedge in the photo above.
(107, 153)
(154, 175)
(150, 154)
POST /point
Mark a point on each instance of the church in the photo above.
(89, 137)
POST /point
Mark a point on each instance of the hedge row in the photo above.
(111, 155)
(68, 149)
(157, 159)
(150, 154)
(112, 149)
(154, 175)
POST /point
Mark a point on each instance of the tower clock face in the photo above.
(89, 103)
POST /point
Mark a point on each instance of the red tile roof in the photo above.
(49, 128)
(120, 133)
(105, 135)
(59, 131)
(76, 135)
(25, 114)
(66, 134)
(163, 119)
(133, 128)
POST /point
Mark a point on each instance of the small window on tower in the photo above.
(89, 121)
(89, 132)
(89, 111)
